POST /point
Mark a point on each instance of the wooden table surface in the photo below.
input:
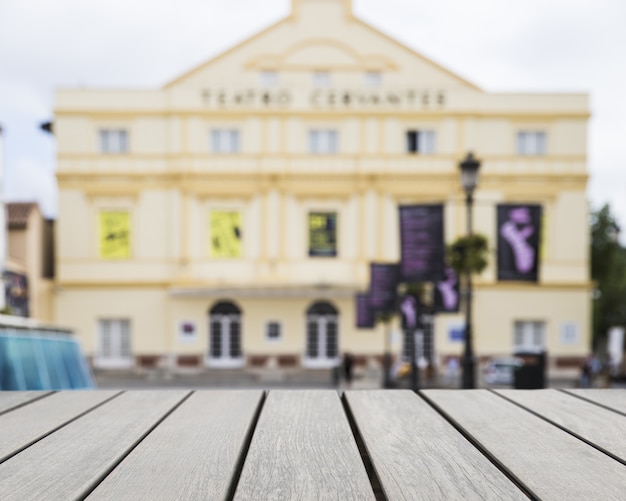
(313, 444)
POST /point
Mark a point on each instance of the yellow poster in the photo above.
(225, 234)
(114, 235)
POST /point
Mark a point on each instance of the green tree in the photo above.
(468, 252)
(608, 271)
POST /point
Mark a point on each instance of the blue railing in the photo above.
(36, 359)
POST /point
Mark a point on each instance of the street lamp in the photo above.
(469, 179)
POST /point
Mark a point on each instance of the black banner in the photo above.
(518, 229)
(422, 245)
(383, 292)
(448, 293)
(364, 313)
(16, 293)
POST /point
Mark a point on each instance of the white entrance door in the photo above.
(321, 348)
(225, 341)
(113, 344)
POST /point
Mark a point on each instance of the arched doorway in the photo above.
(225, 335)
(322, 335)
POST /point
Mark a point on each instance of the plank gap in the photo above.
(485, 452)
(123, 456)
(62, 425)
(245, 448)
(594, 402)
(27, 402)
(379, 494)
(553, 423)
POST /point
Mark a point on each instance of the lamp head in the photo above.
(469, 172)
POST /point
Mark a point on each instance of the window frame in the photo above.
(124, 358)
(279, 332)
(113, 141)
(323, 141)
(531, 143)
(526, 333)
(225, 141)
(417, 137)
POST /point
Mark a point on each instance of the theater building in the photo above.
(228, 218)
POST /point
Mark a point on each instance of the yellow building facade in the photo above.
(228, 218)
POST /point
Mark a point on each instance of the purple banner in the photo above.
(448, 293)
(421, 243)
(410, 309)
(383, 292)
(518, 242)
(364, 313)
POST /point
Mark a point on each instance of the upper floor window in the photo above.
(373, 79)
(323, 141)
(531, 143)
(225, 141)
(269, 78)
(321, 79)
(421, 141)
(113, 141)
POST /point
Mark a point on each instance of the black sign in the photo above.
(518, 242)
(383, 293)
(16, 293)
(421, 243)
(364, 313)
(448, 293)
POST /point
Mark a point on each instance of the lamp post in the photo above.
(469, 179)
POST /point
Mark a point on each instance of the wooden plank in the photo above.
(71, 461)
(603, 428)
(550, 462)
(26, 425)
(193, 454)
(612, 398)
(417, 454)
(303, 448)
(12, 399)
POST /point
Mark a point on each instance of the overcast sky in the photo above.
(501, 45)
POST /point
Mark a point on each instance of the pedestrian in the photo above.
(585, 376)
(348, 362)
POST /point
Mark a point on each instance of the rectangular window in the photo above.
(225, 141)
(531, 143)
(269, 78)
(113, 141)
(323, 142)
(114, 344)
(373, 79)
(323, 234)
(225, 234)
(321, 79)
(272, 331)
(529, 336)
(421, 141)
(114, 235)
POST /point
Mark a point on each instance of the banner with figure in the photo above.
(422, 245)
(323, 234)
(114, 235)
(519, 235)
(383, 291)
(448, 293)
(225, 234)
(364, 313)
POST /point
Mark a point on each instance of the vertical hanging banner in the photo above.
(383, 292)
(225, 234)
(410, 308)
(364, 313)
(323, 234)
(448, 293)
(114, 235)
(519, 228)
(422, 247)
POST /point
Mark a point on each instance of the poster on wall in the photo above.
(225, 234)
(364, 313)
(322, 234)
(422, 245)
(448, 292)
(114, 235)
(383, 291)
(519, 228)
(16, 293)
(187, 331)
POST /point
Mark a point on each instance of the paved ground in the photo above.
(268, 379)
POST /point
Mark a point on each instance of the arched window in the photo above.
(322, 335)
(225, 335)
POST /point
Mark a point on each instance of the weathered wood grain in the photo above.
(614, 399)
(11, 399)
(193, 454)
(417, 454)
(66, 464)
(26, 425)
(550, 462)
(601, 427)
(303, 448)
